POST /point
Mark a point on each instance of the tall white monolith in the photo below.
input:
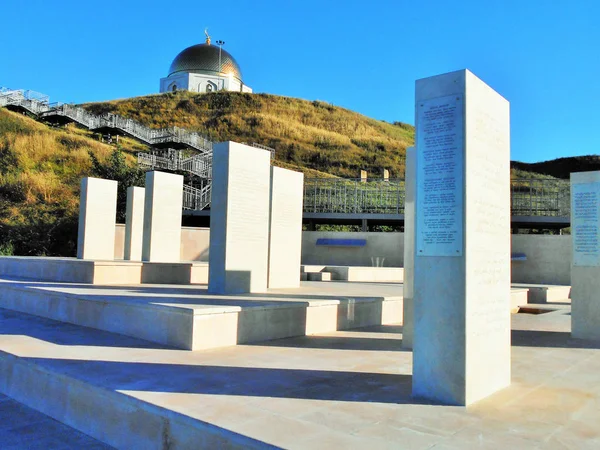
(239, 219)
(163, 205)
(97, 219)
(461, 347)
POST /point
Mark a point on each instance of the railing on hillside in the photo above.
(351, 196)
(531, 197)
(196, 199)
(540, 197)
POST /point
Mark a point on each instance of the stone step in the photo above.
(88, 379)
(357, 273)
(546, 293)
(187, 317)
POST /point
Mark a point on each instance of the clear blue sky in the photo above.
(542, 55)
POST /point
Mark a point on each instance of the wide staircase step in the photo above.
(94, 381)
(187, 317)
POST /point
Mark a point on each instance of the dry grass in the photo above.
(312, 135)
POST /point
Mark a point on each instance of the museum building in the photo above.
(204, 68)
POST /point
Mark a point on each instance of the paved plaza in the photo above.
(348, 389)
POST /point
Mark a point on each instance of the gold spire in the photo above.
(207, 36)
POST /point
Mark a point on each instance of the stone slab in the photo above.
(71, 270)
(190, 318)
(358, 273)
(175, 273)
(239, 217)
(97, 219)
(461, 342)
(546, 293)
(285, 230)
(347, 389)
(134, 224)
(163, 207)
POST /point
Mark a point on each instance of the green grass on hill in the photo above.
(306, 135)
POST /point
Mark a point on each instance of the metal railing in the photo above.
(540, 197)
(199, 165)
(351, 196)
(529, 197)
(196, 199)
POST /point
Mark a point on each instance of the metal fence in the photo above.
(324, 195)
(530, 197)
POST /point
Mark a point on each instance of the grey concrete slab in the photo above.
(349, 389)
(22, 427)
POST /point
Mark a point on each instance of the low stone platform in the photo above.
(187, 317)
(358, 273)
(348, 389)
(72, 270)
(546, 293)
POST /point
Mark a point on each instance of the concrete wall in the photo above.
(379, 245)
(548, 257)
(194, 243)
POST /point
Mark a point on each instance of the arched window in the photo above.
(209, 87)
(174, 88)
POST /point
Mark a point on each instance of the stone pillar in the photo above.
(409, 248)
(97, 219)
(239, 219)
(386, 175)
(163, 206)
(134, 224)
(363, 176)
(585, 270)
(285, 233)
(461, 346)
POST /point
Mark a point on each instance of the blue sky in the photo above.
(542, 55)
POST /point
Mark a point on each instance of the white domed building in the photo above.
(204, 68)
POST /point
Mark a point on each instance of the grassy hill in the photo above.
(40, 171)
(309, 136)
(561, 167)
(41, 166)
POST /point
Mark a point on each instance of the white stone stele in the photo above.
(239, 219)
(409, 248)
(163, 206)
(585, 269)
(97, 219)
(285, 233)
(461, 347)
(134, 223)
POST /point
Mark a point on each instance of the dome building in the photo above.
(204, 68)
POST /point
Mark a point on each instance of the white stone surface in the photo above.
(97, 219)
(285, 233)
(585, 271)
(134, 223)
(409, 247)
(461, 346)
(162, 217)
(239, 219)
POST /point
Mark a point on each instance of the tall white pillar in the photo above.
(163, 206)
(409, 248)
(585, 270)
(134, 223)
(285, 233)
(97, 219)
(461, 347)
(239, 219)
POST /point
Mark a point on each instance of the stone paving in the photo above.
(24, 428)
(346, 389)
